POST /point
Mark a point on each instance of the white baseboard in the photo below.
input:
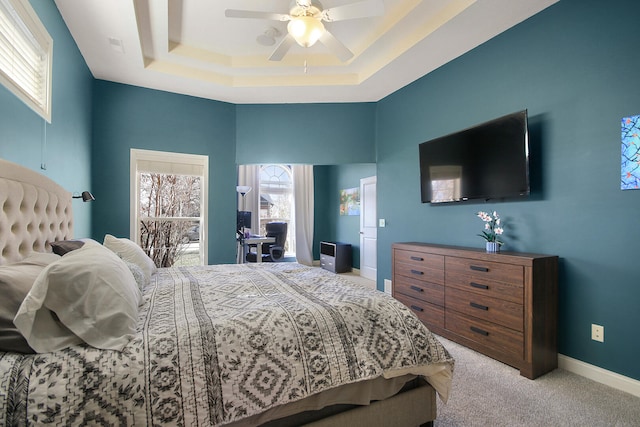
(387, 286)
(603, 376)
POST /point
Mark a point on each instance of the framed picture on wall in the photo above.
(350, 201)
(630, 160)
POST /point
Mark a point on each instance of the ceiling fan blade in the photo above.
(282, 49)
(254, 14)
(361, 9)
(335, 46)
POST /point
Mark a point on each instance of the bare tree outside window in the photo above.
(169, 217)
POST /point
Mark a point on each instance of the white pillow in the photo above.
(87, 295)
(131, 252)
(16, 281)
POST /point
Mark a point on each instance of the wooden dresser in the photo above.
(503, 305)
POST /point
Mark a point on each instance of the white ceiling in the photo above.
(190, 47)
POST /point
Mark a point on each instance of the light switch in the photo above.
(382, 222)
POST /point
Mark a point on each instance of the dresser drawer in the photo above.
(494, 310)
(419, 289)
(430, 314)
(419, 258)
(483, 286)
(413, 263)
(328, 263)
(420, 272)
(499, 338)
(508, 273)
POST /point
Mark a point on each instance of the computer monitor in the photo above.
(243, 220)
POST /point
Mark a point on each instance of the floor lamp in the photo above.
(242, 190)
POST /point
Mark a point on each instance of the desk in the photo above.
(258, 241)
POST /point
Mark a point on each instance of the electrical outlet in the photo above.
(597, 333)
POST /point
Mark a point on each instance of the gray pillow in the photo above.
(63, 246)
(16, 281)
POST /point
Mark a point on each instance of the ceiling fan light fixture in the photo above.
(306, 30)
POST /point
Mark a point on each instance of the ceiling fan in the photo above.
(305, 24)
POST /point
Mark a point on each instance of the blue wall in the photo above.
(331, 225)
(64, 144)
(319, 134)
(322, 196)
(128, 117)
(575, 69)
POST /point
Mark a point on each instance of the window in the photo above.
(276, 200)
(169, 218)
(26, 51)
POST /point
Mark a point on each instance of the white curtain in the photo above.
(303, 197)
(250, 175)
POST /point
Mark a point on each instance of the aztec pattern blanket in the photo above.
(216, 344)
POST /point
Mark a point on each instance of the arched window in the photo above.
(276, 200)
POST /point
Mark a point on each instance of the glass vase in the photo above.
(493, 247)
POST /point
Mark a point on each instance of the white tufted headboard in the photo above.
(34, 211)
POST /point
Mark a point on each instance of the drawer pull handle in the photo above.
(417, 258)
(417, 289)
(478, 268)
(478, 285)
(479, 331)
(417, 272)
(416, 308)
(479, 306)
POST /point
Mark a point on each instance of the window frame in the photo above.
(25, 23)
(176, 158)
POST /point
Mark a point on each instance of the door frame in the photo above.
(368, 228)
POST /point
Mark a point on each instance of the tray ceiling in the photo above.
(190, 47)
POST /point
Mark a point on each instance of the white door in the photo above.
(368, 229)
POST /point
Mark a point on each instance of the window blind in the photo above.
(170, 168)
(25, 55)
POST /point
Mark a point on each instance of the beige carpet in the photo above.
(355, 277)
(488, 393)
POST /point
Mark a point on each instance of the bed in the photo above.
(272, 344)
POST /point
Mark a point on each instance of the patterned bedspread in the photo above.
(219, 343)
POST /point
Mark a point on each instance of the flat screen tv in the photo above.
(484, 162)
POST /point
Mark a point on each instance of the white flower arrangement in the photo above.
(492, 228)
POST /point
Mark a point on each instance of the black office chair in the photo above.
(271, 252)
